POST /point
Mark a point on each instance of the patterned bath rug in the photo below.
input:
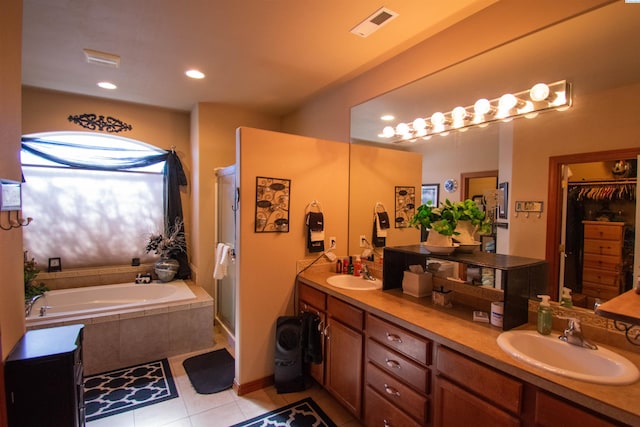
(304, 413)
(127, 389)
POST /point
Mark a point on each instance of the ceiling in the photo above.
(267, 55)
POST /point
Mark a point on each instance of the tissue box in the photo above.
(417, 284)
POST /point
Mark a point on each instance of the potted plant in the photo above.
(167, 246)
(31, 271)
(442, 220)
(471, 220)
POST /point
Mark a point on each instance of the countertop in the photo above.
(455, 329)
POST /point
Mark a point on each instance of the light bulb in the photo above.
(402, 129)
(507, 102)
(437, 118)
(482, 106)
(388, 131)
(459, 114)
(539, 92)
(419, 124)
(560, 101)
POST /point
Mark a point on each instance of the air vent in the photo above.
(370, 25)
(102, 58)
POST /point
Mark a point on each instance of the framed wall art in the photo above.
(272, 205)
(504, 206)
(430, 192)
(405, 206)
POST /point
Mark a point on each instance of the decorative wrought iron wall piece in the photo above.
(272, 205)
(405, 206)
(99, 122)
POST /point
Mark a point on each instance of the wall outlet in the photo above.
(363, 241)
(332, 242)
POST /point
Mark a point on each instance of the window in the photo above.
(90, 217)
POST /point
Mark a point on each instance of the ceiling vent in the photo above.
(370, 25)
(102, 58)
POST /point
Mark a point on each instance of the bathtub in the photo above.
(91, 300)
(127, 324)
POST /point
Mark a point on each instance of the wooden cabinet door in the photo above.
(456, 407)
(316, 370)
(343, 375)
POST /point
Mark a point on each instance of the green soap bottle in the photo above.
(566, 300)
(544, 315)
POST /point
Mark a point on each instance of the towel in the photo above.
(222, 260)
(382, 223)
(315, 234)
(311, 338)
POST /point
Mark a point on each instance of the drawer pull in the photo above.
(392, 391)
(392, 363)
(393, 337)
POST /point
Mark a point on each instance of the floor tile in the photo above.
(225, 415)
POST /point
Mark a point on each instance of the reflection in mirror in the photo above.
(606, 38)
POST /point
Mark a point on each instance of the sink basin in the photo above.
(547, 352)
(346, 281)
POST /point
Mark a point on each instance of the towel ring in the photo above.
(313, 205)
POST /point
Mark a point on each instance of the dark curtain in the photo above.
(174, 178)
(76, 155)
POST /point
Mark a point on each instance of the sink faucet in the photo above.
(573, 335)
(28, 304)
(366, 274)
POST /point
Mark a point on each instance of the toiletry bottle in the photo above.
(345, 265)
(350, 268)
(566, 298)
(338, 266)
(544, 315)
(357, 266)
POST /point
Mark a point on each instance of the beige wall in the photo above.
(11, 258)
(213, 145)
(374, 174)
(318, 170)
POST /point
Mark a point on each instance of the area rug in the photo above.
(304, 413)
(127, 389)
(210, 372)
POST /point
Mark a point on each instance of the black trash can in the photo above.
(289, 367)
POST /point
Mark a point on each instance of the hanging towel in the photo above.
(311, 338)
(380, 225)
(315, 234)
(222, 260)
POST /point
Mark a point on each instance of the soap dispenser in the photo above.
(544, 315)
(566, 300)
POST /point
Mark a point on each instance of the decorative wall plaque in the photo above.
(272, 205)
(95, 122)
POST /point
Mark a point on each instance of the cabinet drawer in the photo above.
(500, 389)
(379, 412)
(598, 291)
(397, 393)
(602, 262)
(603, 247)
(413, 346)
(551, 412)
(312, 296)
(602, 277)
(399, 366)
(346, 313)
(603, 232)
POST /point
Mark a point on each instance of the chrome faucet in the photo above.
(366, 275)
(573, 335)
(28, 305)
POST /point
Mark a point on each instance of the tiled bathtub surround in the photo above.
(134, 336)
(81, 277)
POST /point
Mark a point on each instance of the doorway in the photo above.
(597, 191)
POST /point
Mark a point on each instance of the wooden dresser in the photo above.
(602, 264)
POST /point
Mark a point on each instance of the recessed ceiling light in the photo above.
(387, 117)
(194, 74)
(107, 85)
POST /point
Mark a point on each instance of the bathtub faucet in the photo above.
(28, 305)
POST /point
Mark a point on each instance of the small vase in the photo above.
(467, 232)
(436, 239)
(166, 268)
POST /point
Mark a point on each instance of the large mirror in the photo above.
(596, 52)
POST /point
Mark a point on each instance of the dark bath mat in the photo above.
(210, 372)
(305, 413)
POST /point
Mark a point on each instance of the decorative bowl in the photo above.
(441, 250)
(468, 248)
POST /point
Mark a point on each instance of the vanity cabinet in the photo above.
(602, 260)
(44, 379)
(341, 371)
(397, 375)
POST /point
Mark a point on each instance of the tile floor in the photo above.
(222, 409)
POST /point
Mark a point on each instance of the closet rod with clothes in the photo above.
(624, 189)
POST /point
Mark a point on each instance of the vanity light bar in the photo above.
(527, 103)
